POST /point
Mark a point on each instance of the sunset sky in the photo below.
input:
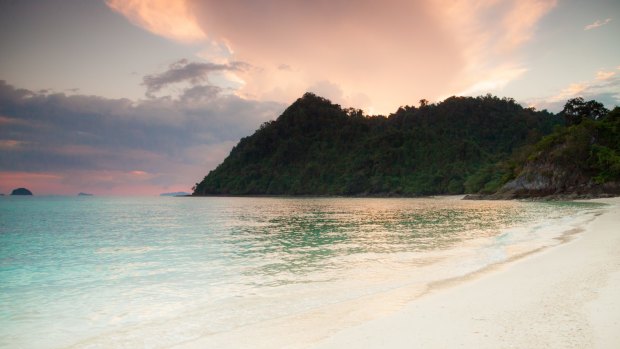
(138, 97)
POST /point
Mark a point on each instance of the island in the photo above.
(84, 194)
(21, 191)
(463, 145)
(177, 193)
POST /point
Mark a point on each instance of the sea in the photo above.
(163, 272)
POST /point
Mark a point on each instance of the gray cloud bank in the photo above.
(173, 141)
(185, 71)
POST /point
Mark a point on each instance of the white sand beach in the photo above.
(566, 296)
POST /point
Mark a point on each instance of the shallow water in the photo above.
(102, 272)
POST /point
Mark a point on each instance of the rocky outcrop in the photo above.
(552, 181)
(547, 179)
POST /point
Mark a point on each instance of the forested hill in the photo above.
(318, 148)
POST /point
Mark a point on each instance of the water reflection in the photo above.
(287, 238)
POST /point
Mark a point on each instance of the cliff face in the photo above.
(549, 180)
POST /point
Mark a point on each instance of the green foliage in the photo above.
(607, 161)
(588, 150)
(486, 180)
(318, 148)
(577, 109)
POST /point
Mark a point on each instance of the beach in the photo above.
(555, 296)
(561, 297)
(307, 273)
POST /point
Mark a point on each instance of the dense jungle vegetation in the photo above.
(581, 158)
(316, 147)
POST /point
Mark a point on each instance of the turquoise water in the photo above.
(102, 272)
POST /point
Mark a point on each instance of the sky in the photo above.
(141, 97)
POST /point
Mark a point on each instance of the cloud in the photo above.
(200, 93)
(490, 34)
(170, 19)
(604, 75)
(604, 87)
(284, 67)
(185, 71)
(392, 52)
(103, 145)
(334, 92)
(597, 23)
(10, 144)
(573, 90)
(520, 21)
(494, 80)
(328, 90)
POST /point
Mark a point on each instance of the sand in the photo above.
(567, 296)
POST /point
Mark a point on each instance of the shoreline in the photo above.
(564, 296)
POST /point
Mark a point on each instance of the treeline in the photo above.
(317, 147)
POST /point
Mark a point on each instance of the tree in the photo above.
(577, 109)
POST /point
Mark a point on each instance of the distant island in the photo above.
(484, 145)
(21, 191)
(84, 194)
(178, 193)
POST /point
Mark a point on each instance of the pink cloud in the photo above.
(374, 48)
(11, 144)
(520, 22)
(573, 90)
(391, 52)
(491, 34)
(596, 24)
(11, 121)
(604, 86)
(171, 19)
(604, 75)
